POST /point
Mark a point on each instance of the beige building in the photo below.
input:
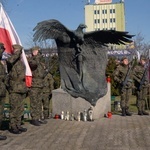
(105, 16)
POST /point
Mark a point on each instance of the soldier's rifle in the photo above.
(127, 75)
(143, 79)
(49, 67)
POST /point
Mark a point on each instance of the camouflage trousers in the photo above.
(141, 98)
(125, 96)
(46, 104)
(16, 109)
(35, 96)
(2, 101)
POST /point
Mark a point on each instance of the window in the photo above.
(104, 11)
(104, 20)
(97, 21)
(112, 20)
(113, 10)
(96, 12)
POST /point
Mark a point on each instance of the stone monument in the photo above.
(82, 64)
(62, 101)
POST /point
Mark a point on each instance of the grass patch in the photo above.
(132, 104)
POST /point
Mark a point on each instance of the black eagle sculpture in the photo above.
(82, 56)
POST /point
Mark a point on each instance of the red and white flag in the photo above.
(9, 36)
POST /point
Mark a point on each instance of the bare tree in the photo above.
(47, 44)
(140, 44)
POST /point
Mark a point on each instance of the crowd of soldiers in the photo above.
(129, 77)
(12, 79)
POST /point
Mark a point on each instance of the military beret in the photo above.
(17, 46)
(142, 57)
(35, 48)
(124, 58)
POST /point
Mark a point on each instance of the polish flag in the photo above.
(9, 36)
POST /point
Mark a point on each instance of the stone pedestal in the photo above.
(62, 101)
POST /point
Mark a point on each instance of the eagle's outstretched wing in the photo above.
(76, 49)
(104, 37)
(51, 29)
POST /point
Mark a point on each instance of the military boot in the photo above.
(145, 113)
(15, 131)
(42, 121)
(127, 112)
(143, 109)
(22, 129)
(2, 137)
(35, 122)
(140, 113)
(123, 111)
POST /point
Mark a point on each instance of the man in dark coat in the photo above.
(17, 89)
(123, 76)
(2, 88)
(140, 76)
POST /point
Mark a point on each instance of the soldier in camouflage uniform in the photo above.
(140, 77)
(47, 94)
(2, 88)
(36, 90)
(17, 89)
(125, 89)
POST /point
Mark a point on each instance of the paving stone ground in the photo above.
(117, 133)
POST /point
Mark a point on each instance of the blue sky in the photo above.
(25, 14)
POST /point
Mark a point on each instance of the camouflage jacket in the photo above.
(38, 71)
(120, 73)
(2, 80)
(16, 70)
(48, 84)
(138, 76)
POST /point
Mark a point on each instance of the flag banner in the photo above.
(9, 36)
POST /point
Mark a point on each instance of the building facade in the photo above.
(105, 15)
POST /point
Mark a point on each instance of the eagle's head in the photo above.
(82, 26)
